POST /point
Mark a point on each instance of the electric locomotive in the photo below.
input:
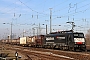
(65, 40)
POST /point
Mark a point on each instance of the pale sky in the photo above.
(26, 14)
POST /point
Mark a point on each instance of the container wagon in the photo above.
(27, 41)
(39, 40)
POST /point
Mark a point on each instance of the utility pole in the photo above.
(39, 29)
(11, 32)
(46, 29)
(33, 31)
(50, 20)
(23, 32)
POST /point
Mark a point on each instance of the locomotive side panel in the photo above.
(56, 41)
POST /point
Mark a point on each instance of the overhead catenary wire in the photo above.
(35, 10)
(76, 12)
(31, 8)
(61, 9)
(57, 5)
(68, 6)
(73, 13)
(81, 11)
(8, 6)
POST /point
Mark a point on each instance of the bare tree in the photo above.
(88, 37)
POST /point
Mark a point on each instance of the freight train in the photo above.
(64, 40)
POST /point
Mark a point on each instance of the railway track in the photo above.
(76, 55)
(49, 54)
(41, 55)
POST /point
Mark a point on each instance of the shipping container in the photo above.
(27, 41)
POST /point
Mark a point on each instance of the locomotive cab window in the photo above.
(79, 38)
(78, 35)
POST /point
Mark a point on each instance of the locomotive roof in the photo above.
(63, 33)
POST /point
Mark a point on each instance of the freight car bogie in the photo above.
(77, 48)
(47, 46)
(80, 47)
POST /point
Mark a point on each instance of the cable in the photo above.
(57, 5)
(81, 7)
(31, 8)
(78, 11)
(69, 7)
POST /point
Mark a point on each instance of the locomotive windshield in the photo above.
(78, 35)
(79, 38)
